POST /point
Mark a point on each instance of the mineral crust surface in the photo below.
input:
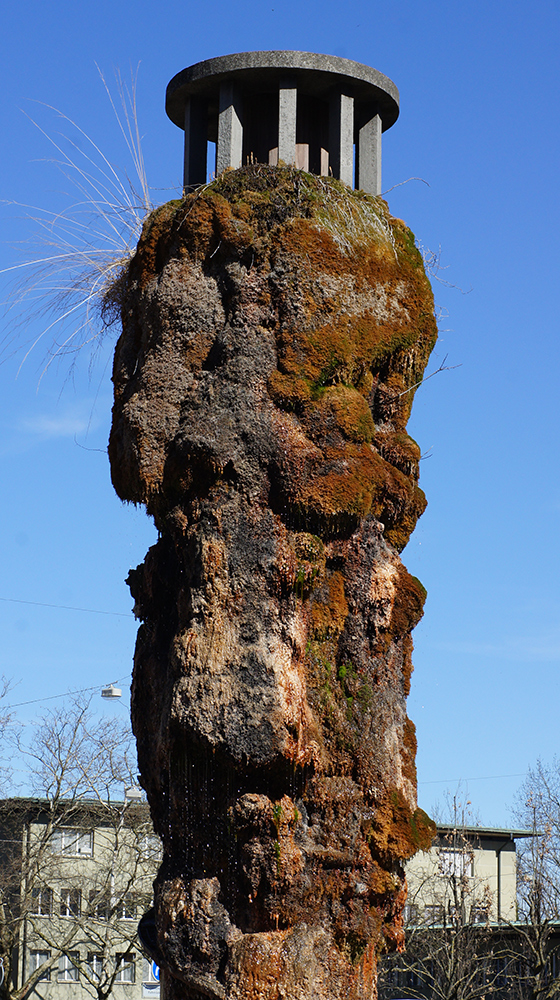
(274, 324)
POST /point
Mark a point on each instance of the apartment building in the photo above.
(75, 881)
(471, 866)
(464, 934)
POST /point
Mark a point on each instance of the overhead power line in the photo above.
(484, 777)
(67, 607)
(65, 694)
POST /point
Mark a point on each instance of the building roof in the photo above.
(487, 831)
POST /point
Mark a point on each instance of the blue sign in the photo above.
(155, 971)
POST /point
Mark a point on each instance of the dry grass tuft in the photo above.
(72, 277)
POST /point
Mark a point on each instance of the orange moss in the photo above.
(397, 831)
(343, 483)
(399, 450)
(408, 606)
(407, 647)
(155, 230)
(328, 364)
(350, 412)
(409, 745)
(329, 611)
(289, 392)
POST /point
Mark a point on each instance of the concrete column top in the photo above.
(260, 72)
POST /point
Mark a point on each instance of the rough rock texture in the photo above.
(272, 325)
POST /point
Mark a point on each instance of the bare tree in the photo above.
(538, 928)
(6, 730)
(76, 861)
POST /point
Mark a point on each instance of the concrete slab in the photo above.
(368, 159)
(229, 146)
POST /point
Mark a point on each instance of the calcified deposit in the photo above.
(273, 323)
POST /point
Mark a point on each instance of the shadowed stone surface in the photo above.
(272, 325)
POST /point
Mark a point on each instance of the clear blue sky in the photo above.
(479, 122)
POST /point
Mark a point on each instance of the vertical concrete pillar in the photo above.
(229, 146)
(196, 142)
(341, 137)
(287, 119)
(368, 165)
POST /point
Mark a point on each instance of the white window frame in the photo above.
(126, 907)
(36, 959)
(480, 913)
(126, 968)
(68, 971)
(96, 964)
(71, 903)
(456, 863)
(73, 842)
(434, 913)
(151, 847)
(99, 905)
(411, 914)
(41, 902)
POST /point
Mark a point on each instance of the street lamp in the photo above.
(111, 692)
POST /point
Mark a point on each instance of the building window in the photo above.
(126, 968)
(500, 973)
(150, 848)
(68, 967)
(100, 905)
(456, 864)
(554, 965)
(480, 914)
(95, 963)
(412, 979)
(70, 902)
(41, 902)
(72, 841)
(433, 914)
(126, 907)
(37, 959)
(411, 914)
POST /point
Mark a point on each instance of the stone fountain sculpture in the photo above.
(275, 324)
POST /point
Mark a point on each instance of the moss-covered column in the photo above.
(273, 325)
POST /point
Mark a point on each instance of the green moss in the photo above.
(364, 696)
(324, 378)
(407, 244)
(310, 555)
(423, 830)
(320, 672)
(160, 214)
